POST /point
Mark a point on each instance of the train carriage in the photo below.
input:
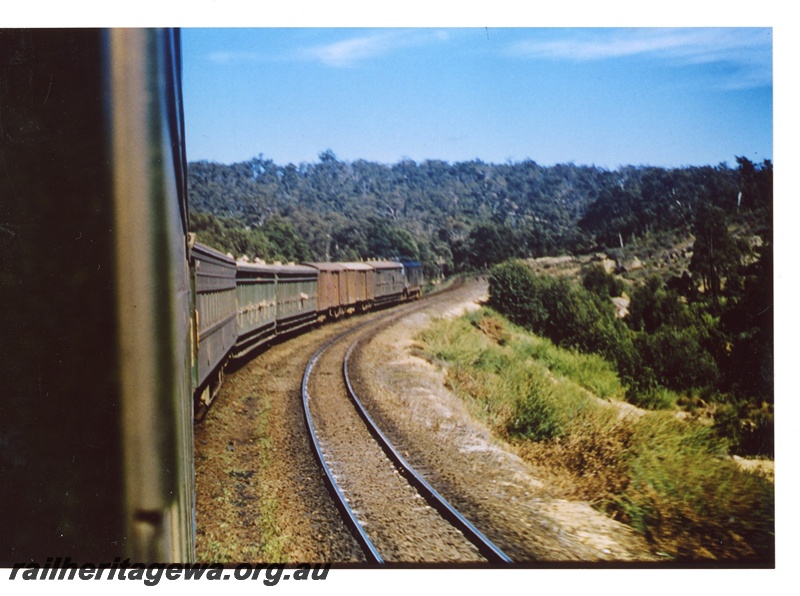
(95, 289)
(216, 330)
(412, 271)
(115, 312)
(335, 290)
(362, 277)
(257, 306)
(389, 281)
(296, 296)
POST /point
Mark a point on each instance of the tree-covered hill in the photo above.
(460, 216)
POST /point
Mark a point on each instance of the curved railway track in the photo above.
(395, 515)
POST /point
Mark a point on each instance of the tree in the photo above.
(489, 212)
(750, 323)
(389, 242)
(616, 214)
(716, 254)
(515, 292)
(489, 244)
(282, 234)
(653, 305)
(604, 284)
(755, 184)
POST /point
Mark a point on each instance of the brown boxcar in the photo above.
(335, 292)
(362, 277)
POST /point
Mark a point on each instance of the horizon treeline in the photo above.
(462, 216)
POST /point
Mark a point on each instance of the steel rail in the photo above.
(437, 501)
(341, 503)
(448, 512)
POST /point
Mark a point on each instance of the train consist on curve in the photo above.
(241, 306)
(114, 320)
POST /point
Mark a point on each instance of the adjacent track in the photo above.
(395, 515)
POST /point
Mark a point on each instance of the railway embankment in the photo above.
(507, 497)
(666, 475)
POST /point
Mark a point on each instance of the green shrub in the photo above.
(602, 283)
(450, 340)
(750, 429)
(677, 358)
(666, 346)
(590, 371)
(515, 291)
(534, 416)
(652, 305)
(652, 398)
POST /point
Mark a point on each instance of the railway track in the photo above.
(395, 515)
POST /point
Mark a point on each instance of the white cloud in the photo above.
(749, 50)
(597, 44)
(351, 51)
(347, 52)
(338, 54)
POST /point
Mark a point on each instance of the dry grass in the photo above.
(237, 514)
(669, 479)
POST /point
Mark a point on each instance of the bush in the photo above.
(534, 415)
(749, 429)
(567, 314)
(652, 398)
(590, 371)
(516, 292)
(677, 358)
(601, 283)
(669, 346)
(653, 306)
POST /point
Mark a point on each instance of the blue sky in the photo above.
(602, 96)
